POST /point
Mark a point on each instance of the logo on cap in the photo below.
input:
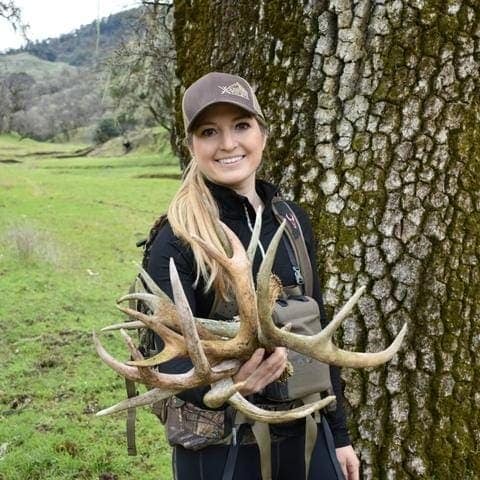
(234, 89)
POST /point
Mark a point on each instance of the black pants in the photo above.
(287, 460)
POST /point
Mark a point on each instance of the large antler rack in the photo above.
(217, 349)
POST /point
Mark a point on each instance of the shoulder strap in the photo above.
(293, 229)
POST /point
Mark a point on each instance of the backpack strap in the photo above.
(261, 432)
(131, 417)
(293, 230)
(136, 286)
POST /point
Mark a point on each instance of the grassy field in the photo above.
(68, 229)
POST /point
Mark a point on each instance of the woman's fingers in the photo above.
(250, 365)
(258, 372)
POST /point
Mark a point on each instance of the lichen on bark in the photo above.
(374, 115)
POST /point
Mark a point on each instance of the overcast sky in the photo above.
(51, 18)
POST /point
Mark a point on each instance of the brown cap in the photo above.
(215, 87)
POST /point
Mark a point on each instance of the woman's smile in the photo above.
(231, 160)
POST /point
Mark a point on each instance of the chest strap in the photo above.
(293, 230)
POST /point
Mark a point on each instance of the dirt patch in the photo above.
(108, 476)
(170, 176)
(91, 407)
(47, 363)
(10, 160)
(17, 404)
(67, 447)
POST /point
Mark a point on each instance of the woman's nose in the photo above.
(228, 140)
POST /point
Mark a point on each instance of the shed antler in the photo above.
(215, 348)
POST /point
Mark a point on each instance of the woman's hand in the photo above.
(349, 462)
(258, 372)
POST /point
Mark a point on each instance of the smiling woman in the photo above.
(226, 135)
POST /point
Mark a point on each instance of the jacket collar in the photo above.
(231, 204)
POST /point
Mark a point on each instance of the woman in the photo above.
(226, 136)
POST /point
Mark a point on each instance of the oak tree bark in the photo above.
(374, 117)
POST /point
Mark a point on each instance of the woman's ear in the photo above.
(187, 141)
(265, 138)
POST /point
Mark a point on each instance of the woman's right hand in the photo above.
(257, 372)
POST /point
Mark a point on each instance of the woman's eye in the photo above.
(243, 125)
(207, 132)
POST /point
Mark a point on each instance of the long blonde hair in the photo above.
(193, 211)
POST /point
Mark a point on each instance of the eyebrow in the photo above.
(235, 119)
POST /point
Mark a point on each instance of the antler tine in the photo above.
(126, 371)
(263, 287)
(149, 376)
(153, 302)
(320, 345)
(225, 390)
(126, 325)
(252, 246)
(235, 263)
(344, 311)
(220, 392)
(190, 334)
(153, 287)
(147, 398)
(219, 327)
(252, 411)
(174, 342)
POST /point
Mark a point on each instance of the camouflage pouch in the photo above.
(192, 427)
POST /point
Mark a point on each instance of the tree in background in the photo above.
(13, 15)
(142, 70)
(374, 112)
(15, 91)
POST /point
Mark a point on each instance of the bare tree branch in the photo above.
(13, 15)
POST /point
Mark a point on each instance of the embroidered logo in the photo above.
(234, 89)
(293, 221)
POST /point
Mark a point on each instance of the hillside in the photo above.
(92, 84)
(80, 47)
(59, 87)
(37, 68)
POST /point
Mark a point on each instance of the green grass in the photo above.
(68, 229)
(12, 146)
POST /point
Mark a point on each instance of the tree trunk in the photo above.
(374, 118)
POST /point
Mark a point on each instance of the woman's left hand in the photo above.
(349, 462)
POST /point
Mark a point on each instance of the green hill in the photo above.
(61, 88)
(87, 45)
(36, 67)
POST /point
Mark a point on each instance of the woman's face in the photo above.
(228, 143)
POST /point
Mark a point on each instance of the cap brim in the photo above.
(231, 102)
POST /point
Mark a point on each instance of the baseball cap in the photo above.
(216, 87)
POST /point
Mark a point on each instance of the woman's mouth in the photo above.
(230, 160)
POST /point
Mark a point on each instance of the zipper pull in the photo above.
(234, 436)
(298, 276)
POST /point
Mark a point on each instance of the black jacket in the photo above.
(234, 209)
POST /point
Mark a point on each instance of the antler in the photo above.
(217, 349)
(319, 346)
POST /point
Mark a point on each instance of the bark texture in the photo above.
(374, 117)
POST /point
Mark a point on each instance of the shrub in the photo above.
(30, 244)
(106, 129)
